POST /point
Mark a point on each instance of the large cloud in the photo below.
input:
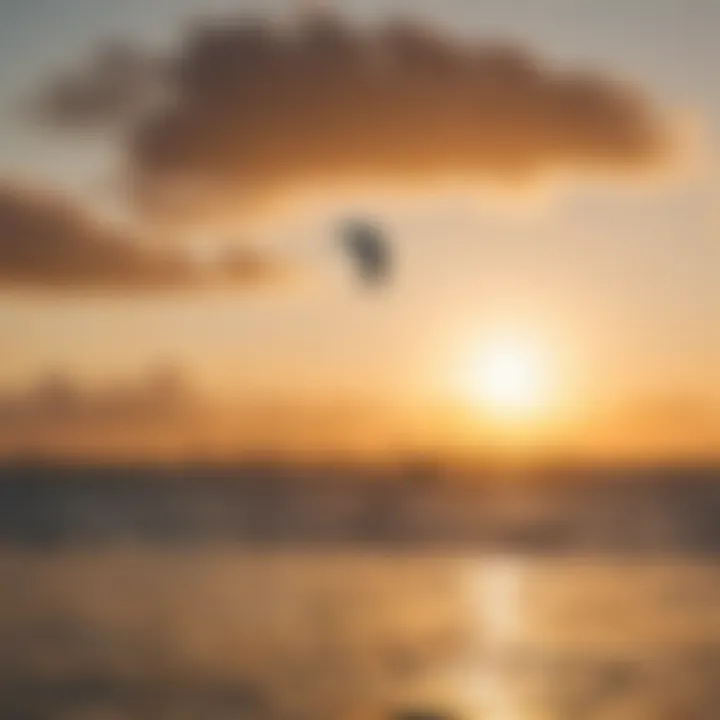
(256, 110)
(48, 244)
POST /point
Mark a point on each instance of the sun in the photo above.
(507, 378)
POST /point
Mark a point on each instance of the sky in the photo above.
(609, 270)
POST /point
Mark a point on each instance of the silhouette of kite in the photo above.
(368, 248)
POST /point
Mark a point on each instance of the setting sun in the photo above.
(508, 378)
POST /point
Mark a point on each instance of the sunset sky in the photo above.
(547, 171)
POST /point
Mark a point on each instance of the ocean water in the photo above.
(220, 631)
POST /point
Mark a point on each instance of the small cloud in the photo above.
(57, 398)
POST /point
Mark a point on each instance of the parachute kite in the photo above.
(369, 250)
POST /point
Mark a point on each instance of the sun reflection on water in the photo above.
(496, 598)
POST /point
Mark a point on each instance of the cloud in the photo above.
(48, 244)
(255, 111)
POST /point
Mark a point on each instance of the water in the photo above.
(219, 631)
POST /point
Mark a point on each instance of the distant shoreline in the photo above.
(627, 511)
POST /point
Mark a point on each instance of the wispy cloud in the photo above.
(48, 244)
(113, 87)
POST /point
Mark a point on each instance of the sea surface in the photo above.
(225, 632)
(219, 595)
